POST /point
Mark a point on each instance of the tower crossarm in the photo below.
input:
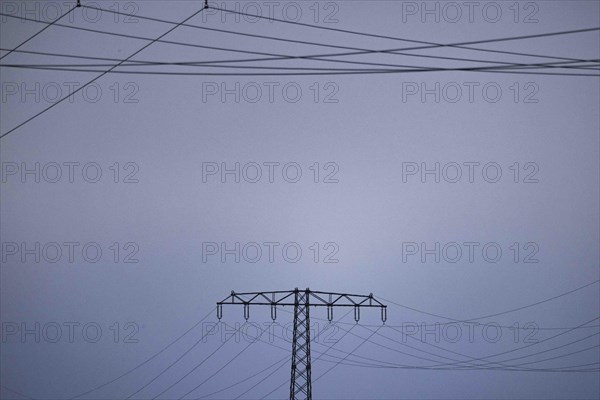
(312, 298)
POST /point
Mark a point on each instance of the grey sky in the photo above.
(168, 210)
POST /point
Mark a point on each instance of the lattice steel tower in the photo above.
(302, 300)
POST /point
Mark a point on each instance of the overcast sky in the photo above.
(130, 210)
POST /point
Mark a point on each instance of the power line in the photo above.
(567, 369)
(381, 363)
(267, 376)
(286, 40)
(38, 32)
(265, 369)
(269, 367)
(552, 298)
(222, 368)
(145, 38)
(275, 56)
(476, 323)
(354, 363)
(199, 364)
(15, 392)
(278, 364)
(537, 73)
(432, 345)
(358, 72)
(429, 44)
(499, 313)
(318, 358)
(261, 381)
(516, 53)
(204, 63)
(454, 366)
(543, 351)
(561, 356)
(350, 353)
(312, 340)
(59, 67)
(336, 358)
(258, 373)
(99, 76)
(136, 63)
(212, 63)
(186, 352)
(423, 351)
(304, 42)
(455, 361)
(462, 355)
(510, 359)
(462, 368)
(146, 361)
(516, 349)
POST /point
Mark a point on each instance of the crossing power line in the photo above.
(515, 68)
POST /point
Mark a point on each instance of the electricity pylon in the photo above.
(301, 300)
